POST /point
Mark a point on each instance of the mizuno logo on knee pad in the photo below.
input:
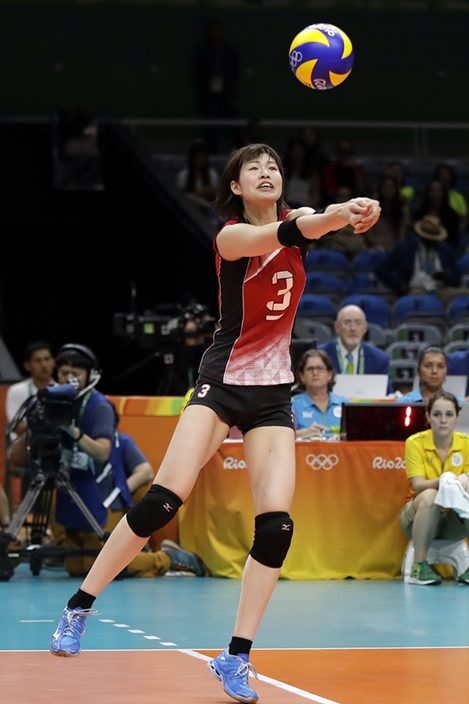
(167, 507)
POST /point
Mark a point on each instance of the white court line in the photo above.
(37, 620)
(275, 683)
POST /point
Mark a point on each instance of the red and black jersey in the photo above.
(258, 298)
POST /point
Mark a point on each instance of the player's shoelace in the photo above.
(73, 621)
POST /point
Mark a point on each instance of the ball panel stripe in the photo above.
(336, 78)
(309, 35)
(304, 72)
(347, 44)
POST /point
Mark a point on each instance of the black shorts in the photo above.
(247, 407)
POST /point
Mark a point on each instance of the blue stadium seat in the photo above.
(458, 310)
(325, 285)
(318, 308)
(369, 260)
(424, 309)
(326, 260)
(375, 308)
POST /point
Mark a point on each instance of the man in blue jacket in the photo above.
(348, 352)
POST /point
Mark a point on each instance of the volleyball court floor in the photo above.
(333, 642)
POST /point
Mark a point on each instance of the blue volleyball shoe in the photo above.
(66, 639)
(233, 671)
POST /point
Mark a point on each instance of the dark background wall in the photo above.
(67, 258)
(134, 60)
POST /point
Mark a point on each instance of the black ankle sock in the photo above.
(239, 645)
(81, 600)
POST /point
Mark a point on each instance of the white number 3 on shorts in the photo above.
(204, 389)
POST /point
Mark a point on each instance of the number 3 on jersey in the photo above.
(285, 277)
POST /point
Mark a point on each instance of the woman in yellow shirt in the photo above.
(428, 454)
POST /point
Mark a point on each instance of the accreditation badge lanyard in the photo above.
(86, 398)
(361, 359)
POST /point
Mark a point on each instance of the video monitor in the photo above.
(382, 421)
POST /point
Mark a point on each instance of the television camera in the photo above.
(178, 335)
(44, 415)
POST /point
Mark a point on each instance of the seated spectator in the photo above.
(317, 410)
(458, 365)
(39, 363)
(198, 180)
(432, 370)
(424, 265)
(428, 455)
(302, 186)
(391, 226)
(348, 353)
(397, 171)
(436, 203)
(316, 158)
(446, 175)
(344, 171)
(345, 240)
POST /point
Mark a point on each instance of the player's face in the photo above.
(432, 370)
(67, 372)
(41, 365)
(259, 181)
(443, 417)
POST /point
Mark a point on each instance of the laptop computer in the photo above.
(462, 426)
(361, 386)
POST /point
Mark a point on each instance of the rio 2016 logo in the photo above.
(232, 463)
(322, 461)
(396, 463)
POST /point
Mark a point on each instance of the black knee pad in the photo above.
(154, 511)
(272, 538)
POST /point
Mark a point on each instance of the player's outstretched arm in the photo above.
(361, 213)
(245, 240)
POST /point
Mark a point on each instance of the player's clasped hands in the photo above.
(362, 213)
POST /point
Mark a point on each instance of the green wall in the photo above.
(134, 60)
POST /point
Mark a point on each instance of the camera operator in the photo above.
(87, 443)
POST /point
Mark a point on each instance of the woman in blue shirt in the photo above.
(317, 410)
(432, 369)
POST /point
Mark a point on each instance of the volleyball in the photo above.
(321, 56)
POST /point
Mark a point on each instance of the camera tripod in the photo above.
(38, 499)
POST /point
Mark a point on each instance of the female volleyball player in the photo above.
(245, 380)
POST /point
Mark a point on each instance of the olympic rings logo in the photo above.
(325, 462)
(296, 57)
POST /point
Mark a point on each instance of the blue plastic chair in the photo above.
(414, 304)
(375, 308)
(369, 260)
(316, 305)
(329, 261)
(325, 285)
(458, 310)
